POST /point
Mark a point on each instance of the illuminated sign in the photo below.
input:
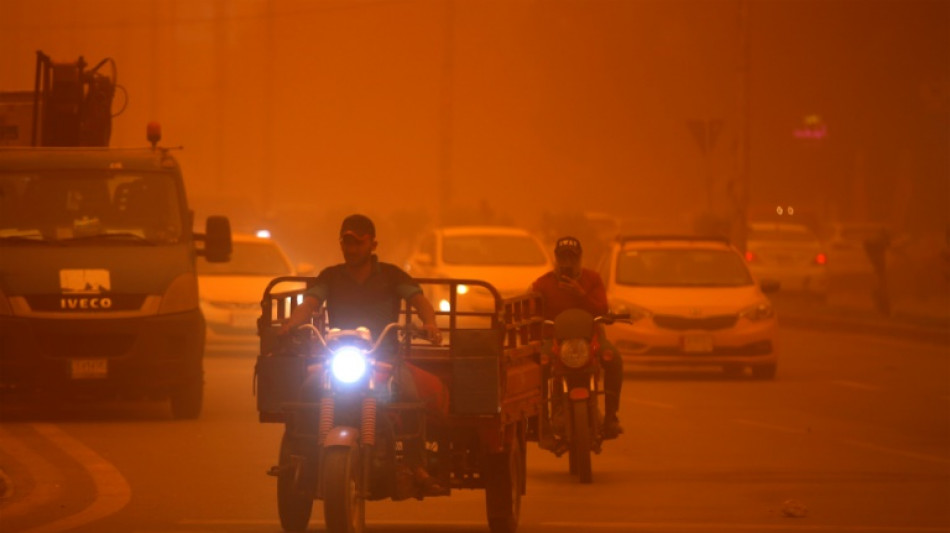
(812, 128)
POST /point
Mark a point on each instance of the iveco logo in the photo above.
(85, 303)
(84, 289)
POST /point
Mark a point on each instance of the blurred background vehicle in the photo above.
(230, 293)
(692, 302)
(790, 254)
(510, 258)
(848, 263)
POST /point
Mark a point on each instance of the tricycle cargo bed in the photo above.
(492, 370)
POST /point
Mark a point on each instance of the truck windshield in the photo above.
(121, 207)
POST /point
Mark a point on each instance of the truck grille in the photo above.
(79, 346)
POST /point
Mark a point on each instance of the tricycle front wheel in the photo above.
(344, 508)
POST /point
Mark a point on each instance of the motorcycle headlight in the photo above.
(348, 364)
(574, 353)
(757, 312)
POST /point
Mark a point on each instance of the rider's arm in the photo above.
(426, 313)
(597, 297)
(301, 314)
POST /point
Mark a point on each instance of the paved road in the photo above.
(854, 434)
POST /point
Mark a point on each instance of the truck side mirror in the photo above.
(217, 239)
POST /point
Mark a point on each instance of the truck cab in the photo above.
(98, 288)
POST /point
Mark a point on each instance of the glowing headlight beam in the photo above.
(348, 364)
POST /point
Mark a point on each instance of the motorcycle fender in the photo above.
(579, 394)
(342, 436)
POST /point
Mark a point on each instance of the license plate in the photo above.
(697, 343)
(90, 368)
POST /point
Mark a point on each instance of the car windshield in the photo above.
(248, 259)
(78, 207)
(498, 250)
(682, 268)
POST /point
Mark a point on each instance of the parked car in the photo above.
(509, 258)
(790, 254)
(848, 260)
(692, 302)
(230, 293)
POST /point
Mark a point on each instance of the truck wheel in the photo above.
(344, 508)
(186, 400)
(581, 442)
(503, 473)
(764, 371)
(294, 502)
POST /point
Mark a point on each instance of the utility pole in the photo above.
(445, 113)
(743, 184)
(268, 174)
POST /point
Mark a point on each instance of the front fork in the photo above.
(363, 439)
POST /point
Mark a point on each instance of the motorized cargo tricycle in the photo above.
(348, 432)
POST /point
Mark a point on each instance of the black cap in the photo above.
(359, 226)
(567, 245)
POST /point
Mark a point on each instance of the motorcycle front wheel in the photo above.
(294, 503)
(580, 441)
(344, 508)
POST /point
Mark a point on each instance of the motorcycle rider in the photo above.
(570, 286)
(363, 291)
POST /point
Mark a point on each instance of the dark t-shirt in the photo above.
(372, 304)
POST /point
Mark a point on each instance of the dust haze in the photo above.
(292, 113)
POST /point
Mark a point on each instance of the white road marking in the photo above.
(861, 444)
(112, 490)
(774, 427)
(616, 526)
(650, 403)
(856, 385)
(653, 526)
(902, 453)
(48, 483)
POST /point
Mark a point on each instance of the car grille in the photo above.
(680, 323)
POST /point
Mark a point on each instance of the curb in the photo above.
(926, 334)
(6, 485)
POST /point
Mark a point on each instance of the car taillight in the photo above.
(821, 259)
(750, 257)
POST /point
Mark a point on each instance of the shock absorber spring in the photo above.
(368, 429)
(326, 418)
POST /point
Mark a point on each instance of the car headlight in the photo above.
(574, 353)
(348, 364)
(635, 311)
(757, 312)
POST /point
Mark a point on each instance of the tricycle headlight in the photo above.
(757, 312)
(574, 353)
(348, 364)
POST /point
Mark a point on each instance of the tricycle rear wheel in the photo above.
(503, 473)
(294, 503)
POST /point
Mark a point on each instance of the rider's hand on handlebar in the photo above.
(433, 333)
